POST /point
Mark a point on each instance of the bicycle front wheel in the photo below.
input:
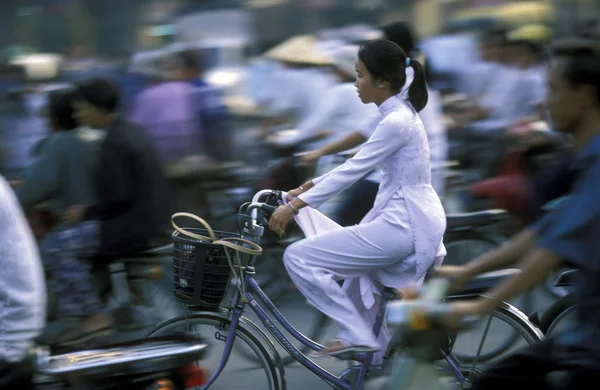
(235, 374)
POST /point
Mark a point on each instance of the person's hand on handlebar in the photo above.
(280, 219)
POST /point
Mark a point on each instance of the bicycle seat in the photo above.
(484, 282)
(475, 219)
(566, 279)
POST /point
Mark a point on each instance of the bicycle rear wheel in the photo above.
(493, 326)
(218, 324)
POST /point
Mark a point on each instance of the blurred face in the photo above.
(491, 51)
(566, 103)
(366, 86)
(88, 115)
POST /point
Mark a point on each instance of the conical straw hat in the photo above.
(299, 50)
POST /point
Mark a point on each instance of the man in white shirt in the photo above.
(22, 292)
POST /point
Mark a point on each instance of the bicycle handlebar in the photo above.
(258, 205)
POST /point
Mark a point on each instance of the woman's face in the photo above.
(365, 84)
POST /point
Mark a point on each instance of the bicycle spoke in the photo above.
(480, 348)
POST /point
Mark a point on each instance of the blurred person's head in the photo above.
(300, 52)
(401, 34)
(381, 73)
(60, 111)
(344, 62)
(170, 67)
(573, 94)
(492, 46)
(190, 62)
(526, 44)
(96, 103)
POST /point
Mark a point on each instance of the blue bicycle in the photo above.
(214, 278)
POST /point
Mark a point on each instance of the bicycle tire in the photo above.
(317, 328)
(250, 337)
(556, 313)
(492, 240)
(517, 320)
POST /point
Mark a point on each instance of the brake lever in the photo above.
(268, 209)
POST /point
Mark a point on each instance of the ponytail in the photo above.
(417, 92)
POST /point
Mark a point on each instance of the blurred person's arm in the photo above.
(505, 256)
(350, 141)
(42, 179)
(316, 125)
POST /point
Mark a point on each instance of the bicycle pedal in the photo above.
(352, 356)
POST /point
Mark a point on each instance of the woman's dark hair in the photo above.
(60, 109)
(100, 93)
(582, 61)
(385, 60)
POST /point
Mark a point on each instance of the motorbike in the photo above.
(162, 363)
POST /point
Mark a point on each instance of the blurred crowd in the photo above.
(484, 121)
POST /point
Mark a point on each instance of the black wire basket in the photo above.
(201, 271)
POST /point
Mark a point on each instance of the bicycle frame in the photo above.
(251, 287)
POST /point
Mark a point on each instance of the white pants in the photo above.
(317, 263)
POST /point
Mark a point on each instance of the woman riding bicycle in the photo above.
(400, 238)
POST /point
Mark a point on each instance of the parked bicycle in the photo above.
(207, 270)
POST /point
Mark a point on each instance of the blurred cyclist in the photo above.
(22, 293)
(132, 200)
(566, 235)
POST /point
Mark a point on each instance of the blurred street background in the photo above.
(257, 75)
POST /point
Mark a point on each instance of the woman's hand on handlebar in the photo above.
(280, 219)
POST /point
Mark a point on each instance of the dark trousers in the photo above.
(542, 366)
(16, 376)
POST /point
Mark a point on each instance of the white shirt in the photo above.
(22, 281)
(299, 91)
(405, 197)
(508, 98)
(341, 112)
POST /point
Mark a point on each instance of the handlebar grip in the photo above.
(268, 208)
